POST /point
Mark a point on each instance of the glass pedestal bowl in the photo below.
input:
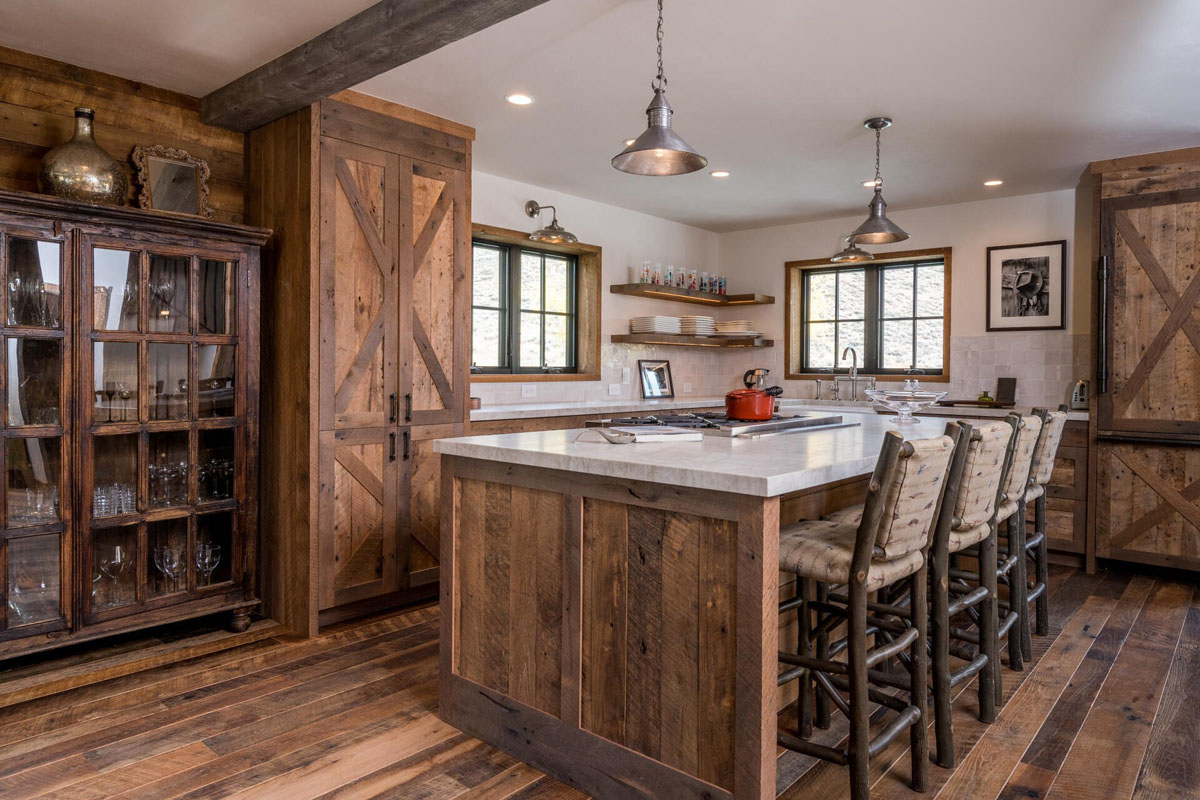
(905, 402)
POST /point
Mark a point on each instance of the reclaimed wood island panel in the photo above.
(610, 613)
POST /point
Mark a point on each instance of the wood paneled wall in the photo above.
(38, 97)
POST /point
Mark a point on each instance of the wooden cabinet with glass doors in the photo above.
(130, 423)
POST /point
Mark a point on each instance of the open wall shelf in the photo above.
(681, 340)
(658, 292)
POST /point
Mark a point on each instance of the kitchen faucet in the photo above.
(853, 371)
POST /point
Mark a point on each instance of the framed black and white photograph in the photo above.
(656, 379)
(1026, 287)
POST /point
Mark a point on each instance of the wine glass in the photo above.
(124, 393)
(208, 556)
(169, 561)
(113, 564)
(110, 391)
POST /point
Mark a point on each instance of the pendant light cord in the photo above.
(660, 82)
(878, 180)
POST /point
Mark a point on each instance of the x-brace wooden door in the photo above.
(1151, 244)
(360, 285)
(437, 315)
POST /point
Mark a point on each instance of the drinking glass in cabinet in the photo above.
(114, 290)
(34, 468)
(34, 579)
(114, 475)
(169, 296)
(168, 469)
(34, 283)
(35, 367)
(167, 373)
(115, 365)
(216, 531)
(114, 567)
(216, 296)
(168, 565)
(216, 365)
(216, 465)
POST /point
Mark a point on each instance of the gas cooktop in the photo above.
(718, 424)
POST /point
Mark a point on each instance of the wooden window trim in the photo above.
(588, 258)
(793, 294)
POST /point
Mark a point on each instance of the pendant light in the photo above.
(552, 233)
(851, 254)
(659, 150)
(877, 229)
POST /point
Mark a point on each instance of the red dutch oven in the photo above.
(752, 404)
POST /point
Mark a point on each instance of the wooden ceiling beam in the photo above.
(382, 37)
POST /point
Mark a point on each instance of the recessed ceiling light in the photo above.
(518, 99)
(869, 184)
(720, 173)
(629, 142)
(993, 182)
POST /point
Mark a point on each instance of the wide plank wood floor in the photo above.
(1107, 710)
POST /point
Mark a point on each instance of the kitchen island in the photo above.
(609, 611)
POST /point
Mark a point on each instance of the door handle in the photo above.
(407, 438)
(1102, 338)
(392, 447)
(408, 407)
(395, 406)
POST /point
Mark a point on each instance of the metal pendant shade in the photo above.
(659, 150)
(877, 229)
(851, 254)
(552, 233)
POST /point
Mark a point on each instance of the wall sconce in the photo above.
(552, 233)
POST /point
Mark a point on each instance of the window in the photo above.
(523, 310)
(893, 313)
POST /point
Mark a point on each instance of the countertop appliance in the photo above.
(1080, 396)
(756, 378)
(717, 424)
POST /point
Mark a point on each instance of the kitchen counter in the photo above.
(964, 412)
(578, 407)
(762, 467)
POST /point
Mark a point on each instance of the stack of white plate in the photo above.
(733, 328)
(697, 326)
(655, 324)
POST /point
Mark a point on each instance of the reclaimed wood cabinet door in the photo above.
(1151, 350)
(438, 314)
(360, 285)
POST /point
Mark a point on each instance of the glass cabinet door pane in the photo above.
(114, 567)
(115, 370)
(114, 474)
(34, 283)
(34, 472)
(167, 373)
(115, 290)
(167, 562)
(34, 580)
(34, 380)
(216, 296)
(169, 298)
(217, 365)
(168, 469)
(214, 547)
(216, 465)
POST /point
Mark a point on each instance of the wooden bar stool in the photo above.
(1053, 425)
(967, 519)
(889, 545)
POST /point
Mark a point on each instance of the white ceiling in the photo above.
(775, 90)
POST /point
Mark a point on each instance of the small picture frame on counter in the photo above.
(656, 379)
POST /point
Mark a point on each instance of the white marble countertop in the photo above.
(573, 408)
(956, 412)
(762, 467)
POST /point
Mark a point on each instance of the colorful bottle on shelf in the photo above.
(669, 276)
(657, 275)
(645, 272)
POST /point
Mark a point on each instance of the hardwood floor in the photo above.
(1105, 711)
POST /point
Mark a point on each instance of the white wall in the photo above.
(1045, 364)
(627, 238)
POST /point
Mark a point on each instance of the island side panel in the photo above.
(594, 629)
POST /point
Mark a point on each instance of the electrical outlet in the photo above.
(614, 390)
(687, 388)
(625, 376)
(529, 390)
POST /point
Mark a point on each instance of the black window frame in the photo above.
(510, 311)
(869, 362)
